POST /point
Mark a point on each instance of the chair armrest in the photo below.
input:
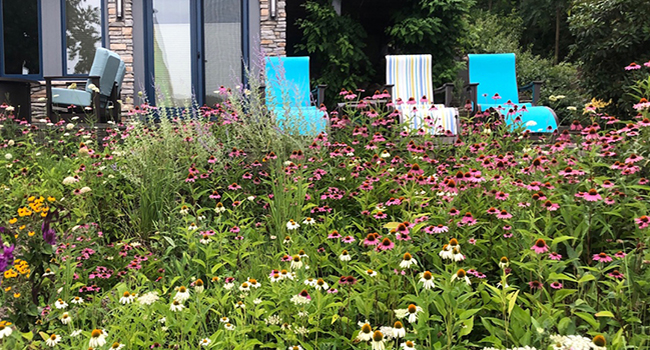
(448, 90)
(62, 77)
(535, 87)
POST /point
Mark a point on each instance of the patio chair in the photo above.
(497, 88)
(288, 96)
(103, 74)
(413, 95)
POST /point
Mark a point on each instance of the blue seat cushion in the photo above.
(287, 81)
(307, 120)
(71, 97)
(535, 119)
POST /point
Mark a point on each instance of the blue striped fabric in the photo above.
(411, 77)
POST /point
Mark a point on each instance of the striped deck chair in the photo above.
(413, 94)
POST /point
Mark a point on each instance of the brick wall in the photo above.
(120, 40)
(273, 36)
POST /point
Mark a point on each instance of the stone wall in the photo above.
(273, 36)
(120, 40)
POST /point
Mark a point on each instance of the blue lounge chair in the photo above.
(288, 95)
(103, 74)
(497, 84)
(410, 76)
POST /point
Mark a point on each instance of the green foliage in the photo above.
(609, 35)
(431, 26)
(335, 43)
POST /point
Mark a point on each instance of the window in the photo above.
(83, 34)
(19, 37)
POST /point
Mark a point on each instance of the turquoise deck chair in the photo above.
(288, 95)
(411, 77)
(495, 74)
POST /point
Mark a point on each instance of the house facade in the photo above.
(173, 49)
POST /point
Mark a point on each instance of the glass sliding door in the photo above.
(172, 52)
(222, 46)
(19, 41)
(83, 34)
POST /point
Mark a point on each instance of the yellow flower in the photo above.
(51, 199)
(13, 221)
(10, 273)
(31, 199)
(22, 227)
(31, 233)
(16, 295)
(44, 214)
(8, 289)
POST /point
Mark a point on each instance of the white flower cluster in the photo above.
(521, 348)
(573, 342)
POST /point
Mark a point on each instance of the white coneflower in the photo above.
(254, 283)
(245, 287)
(345, 256)
(309, 221)
(65, 318)
(310, 282)
(366, 333)
(53, 340)
(287, 239)
(411, 311)
(286, 274)
(70, 180)
(76, 333)
(127, 298)
(240, 305)
(371, 273)
(184, 210)
(461, 275)
(321, 284)
(398, 330)
(192, 227)
(292, 225)
(378, 341)
(176, 306)
(117, 346)
(84, 190)
(407, 261)
(224, 319)
(427, 280)
(97, 338)
(446, 253)
(77, 300)
(5, 329)
(301, 298)
(296, 262)
(408, 345)
(229, 326)
(205, 239)
(456, 255)
(182, 294)
(205, 342)
(199, 286)
(295, 347)
(148, 298)
(504, 262)
(60, 304)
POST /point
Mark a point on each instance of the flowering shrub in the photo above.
(371, 236)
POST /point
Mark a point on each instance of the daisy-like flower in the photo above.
(148, 298)
(296, 262)
(254, 283)
(535, 285)
(321, 284)
(301, 298)
(97, 338)
(504, 262)
(378, 341)
(440, 229)
(176, 306)
(408, 345)
(620, 254)
(127, 298)
(60, 304)
(446, 252)
(295, 347)
(117, 346)
(407, 261)
(292, 225)
(205, 342)
(555, 256)
(5, 329)
(411, 312)
(345, 256)
(76, 333)
(309, 221)
(245, 287)
(386, 244)
(540, 246)
(77, 300)
(371, 273)
(53, 340)
(224, 319)
(642, 221)
(398, 330)
(427, 280)
(366, 333)
(602, 257)
(461, 275)
(229, 326)
(199, 286)
(503, 214)
(65, 318)
(556, 285)
(616, 274)
(182, 294)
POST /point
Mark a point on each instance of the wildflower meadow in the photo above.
(212, 227)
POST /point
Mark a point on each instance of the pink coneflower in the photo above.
(535, 285)
(471, 241)
(386, 244)
(502, 196)
(492, 211)
(334, 235)
(556, 285)
(348, 239)
(592, 196)
(453, 212)
(234, 186)
(633, 66)
(602, 257)
(620, 254)
(504, 215)
(616, 274)
(380, 215)
(643, 221)
(468, 219)
(440, 229)
(540, 246)
(555, 256)
(550, 206)
(371, 239)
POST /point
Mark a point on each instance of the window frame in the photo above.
(64, 36)
(40, 45)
